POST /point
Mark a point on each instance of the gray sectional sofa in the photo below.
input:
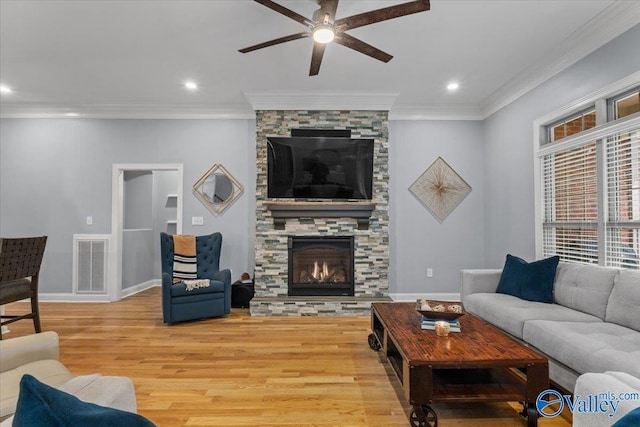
(593, 326)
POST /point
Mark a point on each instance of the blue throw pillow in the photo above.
(632, 419)
(530, 281)
(40, 405)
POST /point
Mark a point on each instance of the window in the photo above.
(589, 186)
(572, 125)
(624, 105)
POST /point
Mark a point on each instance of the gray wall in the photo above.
(55, 172)
(137, 236)
(418, 240)
(137, 257)
(138, 196)
(508, 145)
(164, 209)
(147, 208)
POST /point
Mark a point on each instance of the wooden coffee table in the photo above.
(481, 363)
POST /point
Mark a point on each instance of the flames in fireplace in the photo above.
(321, 272)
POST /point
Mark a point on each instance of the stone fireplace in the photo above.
(277, 220)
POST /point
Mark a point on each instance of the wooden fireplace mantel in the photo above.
(361, 211)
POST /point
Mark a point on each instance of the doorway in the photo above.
(146, 199)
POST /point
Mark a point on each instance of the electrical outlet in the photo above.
(429, 272)
(197, 220)
(89, 220)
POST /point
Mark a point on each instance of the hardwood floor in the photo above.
(245, 371)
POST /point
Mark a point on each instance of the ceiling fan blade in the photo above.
(329, 7)
(286, 12)
(356, 44)
(316, 58)
(383, 14)
(275, 42)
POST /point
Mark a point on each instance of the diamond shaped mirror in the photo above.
(217, 189)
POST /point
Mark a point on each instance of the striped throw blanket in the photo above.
(195, 284)
(184, 258)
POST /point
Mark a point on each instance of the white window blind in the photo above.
(582, 220)
(623, 199)
(571, 203)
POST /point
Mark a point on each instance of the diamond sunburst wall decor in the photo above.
(440, 189)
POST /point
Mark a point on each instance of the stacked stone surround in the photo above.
(371, 245)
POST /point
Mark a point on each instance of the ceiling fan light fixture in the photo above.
(323, 33)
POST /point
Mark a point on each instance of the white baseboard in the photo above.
(69, 297)
(140, 287)
(433, 296)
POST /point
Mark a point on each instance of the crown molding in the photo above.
(365, 102)
(604, 27)
(435, 112)
(124, 111)
(321, 100)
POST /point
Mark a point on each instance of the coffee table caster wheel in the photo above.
(373, 342)
(530, 412)
(532, 416)
(423, 416)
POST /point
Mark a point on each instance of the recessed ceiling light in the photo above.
(5, 89)
(191, 85)
(72, 114)
(453, 86)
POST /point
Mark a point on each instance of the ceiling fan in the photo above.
(324, 28)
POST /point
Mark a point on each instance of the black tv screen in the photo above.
(319, 168)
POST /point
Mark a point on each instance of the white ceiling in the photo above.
(130, 58)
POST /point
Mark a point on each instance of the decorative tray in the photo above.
(445, 310)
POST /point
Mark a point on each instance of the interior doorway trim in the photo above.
(117, 215)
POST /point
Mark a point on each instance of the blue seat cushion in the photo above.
(40, 405)
(179, 289)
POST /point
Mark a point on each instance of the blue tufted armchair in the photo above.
(178, 304)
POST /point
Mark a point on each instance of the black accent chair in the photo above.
(20, 260)
(178, 304)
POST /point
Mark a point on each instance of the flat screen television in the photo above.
(319, 168)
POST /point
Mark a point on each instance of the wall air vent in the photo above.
(90, 255)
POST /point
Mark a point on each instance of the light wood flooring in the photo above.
(245, 371)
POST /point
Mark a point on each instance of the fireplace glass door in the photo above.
(320, 266)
